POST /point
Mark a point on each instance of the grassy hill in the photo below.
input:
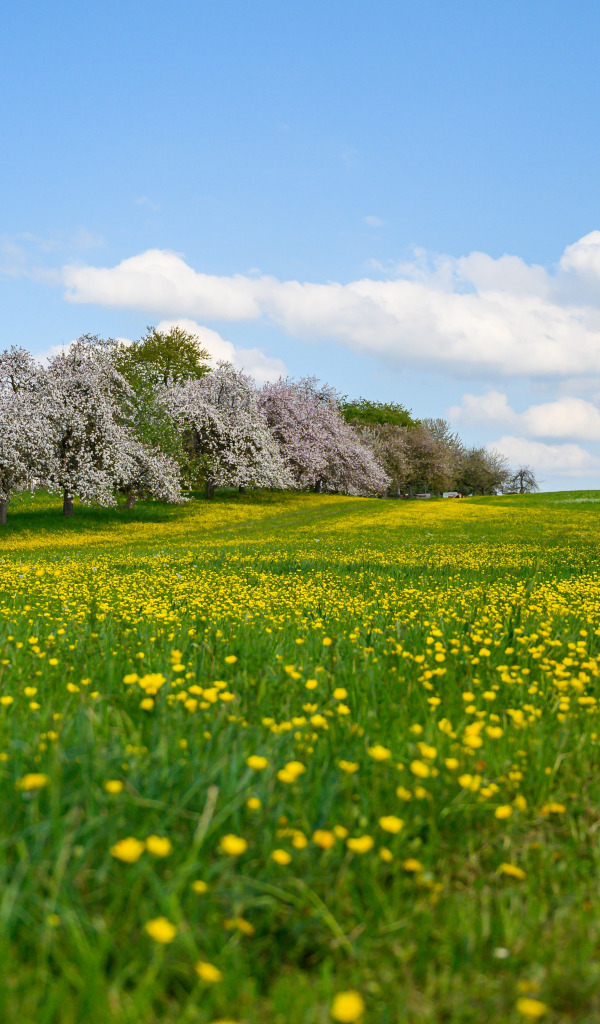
(258, 752)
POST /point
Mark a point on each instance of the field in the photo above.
(289, 759)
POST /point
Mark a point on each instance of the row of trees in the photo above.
(152, 418)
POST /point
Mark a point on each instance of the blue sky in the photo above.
(400, 198)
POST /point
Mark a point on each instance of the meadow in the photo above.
(294, 759)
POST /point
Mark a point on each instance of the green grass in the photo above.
(409, 594)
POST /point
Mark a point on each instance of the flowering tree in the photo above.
(24, 441)
(389, 445)
(87, 401)
(146, 473)
(321, 450)
(226, 436)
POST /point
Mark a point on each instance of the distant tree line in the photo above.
(153, 418)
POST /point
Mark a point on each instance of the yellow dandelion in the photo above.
(128, 850)
(113, 786)
(233, 845)
(159, 846)
(390, 823)
(347, 1007)
(257, 762)
(360, 844)
(33, 781)
(324, 838)
(208, 972)
(531, 1009)
(161, 930)
(513, 871)
(281, 857)
(379, 753)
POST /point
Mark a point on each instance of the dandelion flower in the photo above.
(35, 780)
(199, 886)
(161, 930)
(513, 871)
(390, 823)
(159, 846)
(324, 838)
(281, 857)
(257, 762)
(208, 972)
(360, 844)
(233, 845)
(531, 1009)
(347, 1007)
(503, 811)
(128, 850)
(379, 753)
(113, 786)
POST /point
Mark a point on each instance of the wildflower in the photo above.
(513, 871)
(257, 762)
(113, 786)
(199, 887)
(553, 808)
(161, 930)
(6, 701)
(147, 704)
(420, 769)
(340, 693)
(253, 803)
(208, 972)
(532, 1009)
(379, 753)
(347, 1007)
(291, 771)
(311, 684)
(390, 823)
(324, 838)
(233, 845)
(230, 659)
(159, 846)
(35, 780)
(349, 766)
(281, 857)
(327, 641)
(503, 811)
(360, 844)
(128, 850)
(385, 854)
(412, 865)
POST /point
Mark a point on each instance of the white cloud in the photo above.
(252, 360)
(567, 417)
(474, 316)
(373, 222)
(560, 459)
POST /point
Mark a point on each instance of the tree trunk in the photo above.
(318, 485)
(242, 489)
(3, 511)
(67, 504)
(210, 488)
(131, 499)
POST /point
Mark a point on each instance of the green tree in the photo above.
(161, 358)
(364, 411)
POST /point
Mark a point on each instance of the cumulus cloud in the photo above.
(559, 459)
(252, 360)
(567, 417)
(473, 316)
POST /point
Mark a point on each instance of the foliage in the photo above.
(365, 411)
(162, 358)
(400, 697)
(482, 471)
